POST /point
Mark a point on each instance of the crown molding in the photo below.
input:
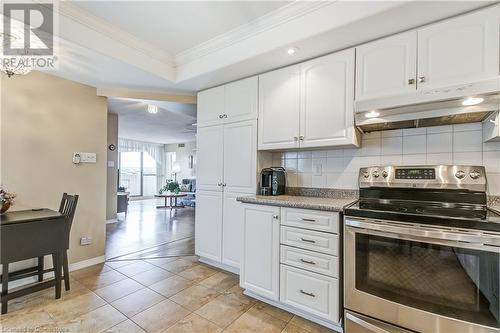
(177, 97)
(90, 21)
(251, 29)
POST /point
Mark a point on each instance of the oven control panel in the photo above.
(425, 176)
(416, 173)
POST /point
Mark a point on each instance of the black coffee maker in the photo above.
(272, 181)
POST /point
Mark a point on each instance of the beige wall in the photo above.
(44, 119)
(112, 173)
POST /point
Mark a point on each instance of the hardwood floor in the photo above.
(150, 232)
(156, 295)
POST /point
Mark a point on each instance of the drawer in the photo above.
(310, 292)
(310, 240)
(311, 219)
(312, 261)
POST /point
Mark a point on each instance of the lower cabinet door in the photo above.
(208, 225)
(232, 230)
(310, 292)
(260, 266)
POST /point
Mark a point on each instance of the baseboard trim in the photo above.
(331, 325)
(72, 267)
(110, 221)
(220, 265)
(86, 263)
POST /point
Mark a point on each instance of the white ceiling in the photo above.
(172, 123)
(188, 46)
(175, 26)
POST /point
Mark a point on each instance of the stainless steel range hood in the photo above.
(429, 107)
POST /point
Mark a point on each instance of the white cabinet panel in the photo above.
(260, 267)
(241, 100)
(459, 50)
(387, 66)
(210, 106)
(240, 157)
(210, 152)
(208, 225)
(327, 98)
(279, 104)
(311, 292)
(232, 230)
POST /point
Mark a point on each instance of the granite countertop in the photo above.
(294, 201)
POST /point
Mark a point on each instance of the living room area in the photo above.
(151, 183)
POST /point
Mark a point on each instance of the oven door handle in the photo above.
(372, 327)
(441, 236)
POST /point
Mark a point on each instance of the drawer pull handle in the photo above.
(307, 240)
(306, 293)
(308, 220)
(308, 261)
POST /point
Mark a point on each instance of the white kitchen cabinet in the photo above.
(387, 66)
(210, 154)
(327, 101)
(261, 243)
(232, 230)
(460, 50)
(232, 102)
(208, 225)
(210, 106)
(308, 105)
(241, 100)
(240, 158)
(279, 107)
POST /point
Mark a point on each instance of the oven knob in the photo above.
(375, 173)
(366, 174)
(460, 174)
(384, 174)
(474, 174)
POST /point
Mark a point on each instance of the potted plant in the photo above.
(6, 200)
(171, 186)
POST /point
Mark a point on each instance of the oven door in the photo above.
(423, 278)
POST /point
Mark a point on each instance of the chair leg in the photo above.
(56, 259)
(40, 268)
(66, 270)
(5, 286)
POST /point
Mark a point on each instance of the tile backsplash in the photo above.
(338, 168)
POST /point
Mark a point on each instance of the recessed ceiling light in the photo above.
(292, 50)
(153, 109)
(372, 114)
(472, 101)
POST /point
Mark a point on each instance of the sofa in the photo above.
(188, 186)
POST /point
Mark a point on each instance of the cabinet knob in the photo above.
(421, 79)
(219, 184)
(224, 184)
(224, 115)
(275, 217)
(411, 81)
(295, 138)
(220, 116)
(301, 138)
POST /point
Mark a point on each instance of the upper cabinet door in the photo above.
(210, 106)
(387, 66)
(209, 160)
(459, 50)
(327, 96)
(279, 104)
(240, 157)
(241, 100)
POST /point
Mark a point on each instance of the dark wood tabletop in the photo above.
(29, 215)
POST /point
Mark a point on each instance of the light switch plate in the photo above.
(86, 157)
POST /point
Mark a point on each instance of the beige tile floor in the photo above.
(157, 295)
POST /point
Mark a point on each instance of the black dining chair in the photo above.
(68, 209)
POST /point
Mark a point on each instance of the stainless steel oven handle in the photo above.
(365, 324)
(442, 236)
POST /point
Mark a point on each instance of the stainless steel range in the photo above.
(422, 252)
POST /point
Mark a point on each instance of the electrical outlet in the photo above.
(85, 241)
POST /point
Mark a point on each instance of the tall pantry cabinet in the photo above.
(226, 169)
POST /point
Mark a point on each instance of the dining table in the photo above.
(28, 234)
